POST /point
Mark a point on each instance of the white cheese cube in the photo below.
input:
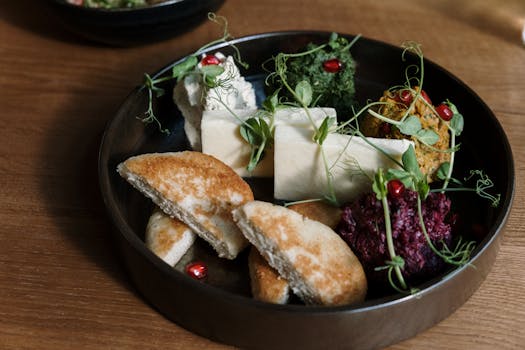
(192, 97)
(221, 136)
(295, 116)
(299, 171)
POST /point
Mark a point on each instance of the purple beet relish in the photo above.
(362, 226)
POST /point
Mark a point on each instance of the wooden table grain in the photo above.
(61, 284)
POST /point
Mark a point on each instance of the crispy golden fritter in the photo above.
(429, 159)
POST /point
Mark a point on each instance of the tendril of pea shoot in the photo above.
(186, 67)
(412, 177)
(302, 95)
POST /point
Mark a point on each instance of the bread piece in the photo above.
(167, 237)
(316, 262)
(266, 283)
(195, 188)
(319, 211)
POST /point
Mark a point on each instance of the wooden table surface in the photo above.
(61, 285)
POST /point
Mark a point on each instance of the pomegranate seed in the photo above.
(332, 66)
(197, 270)
(395, 188)
(426, 97)
(404, 96)
(444, 112)
(209, 60)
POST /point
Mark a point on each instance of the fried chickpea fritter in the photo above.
(429, 159)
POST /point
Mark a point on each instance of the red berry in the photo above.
(197, 270)
(210, 60)
(444, 112)
(395, 188)
(332, 66)
(403, 96)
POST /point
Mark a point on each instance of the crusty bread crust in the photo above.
(316, 262)
(195, 188)
(266, 283)
(319, 211)
(167, 237)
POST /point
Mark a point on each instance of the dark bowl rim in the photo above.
(118, 9)
(374, 304)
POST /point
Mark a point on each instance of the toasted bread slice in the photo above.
(316, 262)
(167, 237)
(266, 283)
(195, 188)
(319, 211)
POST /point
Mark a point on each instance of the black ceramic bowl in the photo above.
(132, 26)
(221, 308)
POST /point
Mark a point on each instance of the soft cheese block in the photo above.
(221, 137)
(192, 97)
(300, 170)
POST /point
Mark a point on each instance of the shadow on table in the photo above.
(69, 180)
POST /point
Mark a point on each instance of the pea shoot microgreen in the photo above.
(396, 262)
(304, 96)
(258, 134)
(412, 178)
(323, 130)
(482, 183)
(258, 130)
(209, 73)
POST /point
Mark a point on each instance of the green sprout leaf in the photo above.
(151, 85)
(428, 137)
(411, 165)
(259, 136)
(405, 177)
(303, 90)
(443, 170)
(180, 69)
(272, 102)
(410, 162)
(379, 185)
(423, 188)
(410, 126)
(323, 130)
(457, 122)
(210, 74)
